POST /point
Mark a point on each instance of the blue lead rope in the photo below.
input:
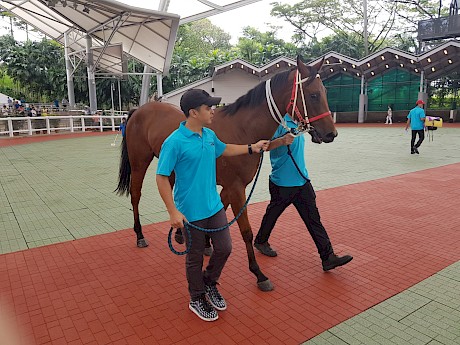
(187, 225)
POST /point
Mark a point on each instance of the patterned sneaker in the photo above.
(201, 307)
(214, 297)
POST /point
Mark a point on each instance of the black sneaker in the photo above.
(416, 150)
(214, 297)
(265, 249)
(201, 307)
(334, 261)
(412, 151)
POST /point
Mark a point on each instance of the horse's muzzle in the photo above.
(318, 138)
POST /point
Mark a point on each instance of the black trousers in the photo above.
(421, 136)
(304, 200)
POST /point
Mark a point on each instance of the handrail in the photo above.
(71, 123)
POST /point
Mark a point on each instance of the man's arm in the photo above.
(236, 150)
(285, 140)
(407, 124)
(175, 217)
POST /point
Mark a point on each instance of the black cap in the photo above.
(194, 98)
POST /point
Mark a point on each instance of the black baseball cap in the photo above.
(194, 98)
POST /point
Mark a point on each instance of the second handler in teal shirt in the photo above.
(289, 184)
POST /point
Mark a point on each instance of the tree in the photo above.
(260, 48)
(201, 37)
(386, 18)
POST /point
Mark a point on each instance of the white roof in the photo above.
(146, 35)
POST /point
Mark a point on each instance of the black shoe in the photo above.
(412, 151)
(265, 249)
(416, 150)
(201, 307)
(334, 261)
(214, 297)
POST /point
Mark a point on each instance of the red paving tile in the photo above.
(104, 290)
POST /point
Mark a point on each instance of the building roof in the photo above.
(434, 63)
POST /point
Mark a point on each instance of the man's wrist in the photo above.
(250, 149)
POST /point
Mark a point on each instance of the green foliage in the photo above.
(387, 19)
(260, 48)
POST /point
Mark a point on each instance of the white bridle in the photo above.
(276, 114)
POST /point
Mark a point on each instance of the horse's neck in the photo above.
(248, 123)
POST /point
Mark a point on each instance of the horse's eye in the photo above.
(314, 96)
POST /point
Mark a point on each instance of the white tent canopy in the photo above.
(146, 35)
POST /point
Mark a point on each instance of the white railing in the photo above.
(58, 124)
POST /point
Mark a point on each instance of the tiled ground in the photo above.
(63, 189)
(104, 290)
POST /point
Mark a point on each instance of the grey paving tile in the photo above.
(401, 305)
(435, 320)
(326, 338)
(441, 288)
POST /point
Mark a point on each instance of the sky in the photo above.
(232, 22)
(256, 15)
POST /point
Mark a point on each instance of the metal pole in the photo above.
(160, 85)
(119, 95)
(91, 77)
(69, 72)
(366, 38)
(112, 86)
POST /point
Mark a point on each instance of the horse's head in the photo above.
(311, 109)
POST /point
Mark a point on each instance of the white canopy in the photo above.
(146, 35)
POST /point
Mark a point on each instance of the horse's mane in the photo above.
(256, 95)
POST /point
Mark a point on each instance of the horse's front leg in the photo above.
(237, 201)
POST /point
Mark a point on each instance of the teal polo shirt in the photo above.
(284, 173)
(193, 159)
(416, 115)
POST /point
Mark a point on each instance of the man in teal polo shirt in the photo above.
(416, 121)
(191, 152)
(289, 184)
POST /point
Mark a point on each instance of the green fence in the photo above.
(397, 88)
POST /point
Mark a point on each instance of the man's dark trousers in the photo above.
(304, 200)
(421, 136)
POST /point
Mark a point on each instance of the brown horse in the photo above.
(245, 121)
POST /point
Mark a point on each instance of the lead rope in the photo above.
(187, 225)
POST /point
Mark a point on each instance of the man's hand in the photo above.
(288, 139)
(261, 145)
(176, 219)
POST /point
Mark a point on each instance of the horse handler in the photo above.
(289, 184)
(191, 152)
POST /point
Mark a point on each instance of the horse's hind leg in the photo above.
(237, 200)
(137, 178)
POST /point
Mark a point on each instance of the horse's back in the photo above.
(151, 124)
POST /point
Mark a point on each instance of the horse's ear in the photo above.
(303, 69)
(306, 70)
(319, 65)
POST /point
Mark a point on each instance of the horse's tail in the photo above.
(124, 172)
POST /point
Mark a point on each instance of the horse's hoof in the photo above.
(207, 251)
(266, 285)
(179, 237)
(142, 243)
